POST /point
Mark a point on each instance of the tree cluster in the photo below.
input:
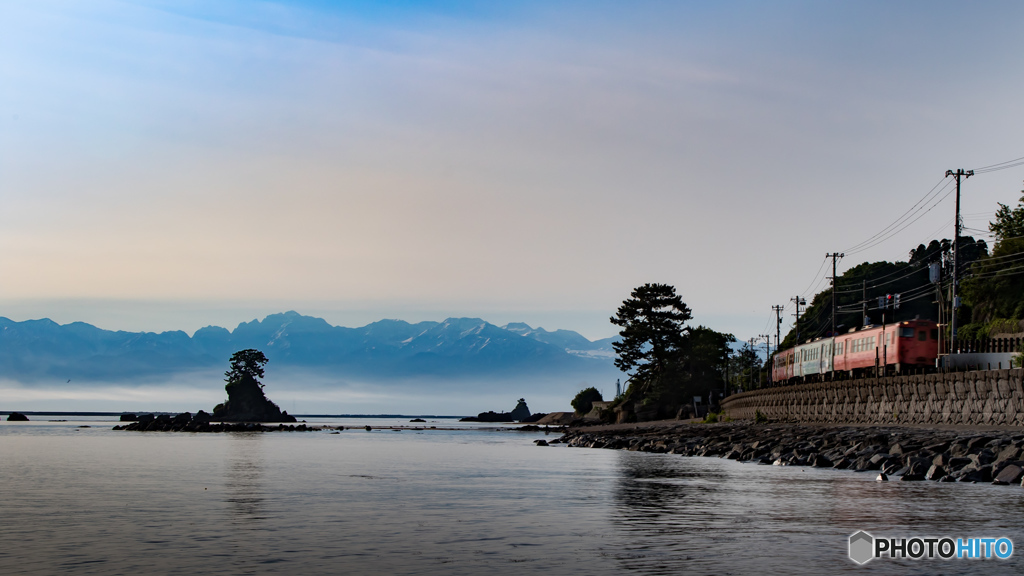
(668, 361)
(994, 286)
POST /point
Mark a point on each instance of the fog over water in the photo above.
(466, 501)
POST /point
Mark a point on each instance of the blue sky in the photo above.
(168, 165)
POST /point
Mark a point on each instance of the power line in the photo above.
(913, 209)
(905, 226)
(1000, 166)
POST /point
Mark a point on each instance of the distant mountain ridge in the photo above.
(42, 350)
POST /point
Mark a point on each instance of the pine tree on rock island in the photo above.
(246, 401)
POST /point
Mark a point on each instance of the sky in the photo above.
(171, 165)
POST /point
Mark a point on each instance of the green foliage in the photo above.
(707, 352)
(1017, 361)
(1009, 223)
(711, 418)
(900, 277)
(983, 330)
(995, 289)
(584, 401)
(653, 330)
(744, 368)
(760, 418)
(670, 361)
(246, 365)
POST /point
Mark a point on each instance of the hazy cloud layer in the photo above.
(461, 159)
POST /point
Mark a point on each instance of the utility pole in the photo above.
(960, 173)
(752, 341)
(799, 302)
(864, 303)
(778, 325)
(833, 256)
(767, 356)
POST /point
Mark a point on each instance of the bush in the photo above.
(711, 418)
(584, 401)
(760, 418)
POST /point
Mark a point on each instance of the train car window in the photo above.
(906, 332)
(922, 335)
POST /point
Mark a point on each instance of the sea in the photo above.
(77, 497)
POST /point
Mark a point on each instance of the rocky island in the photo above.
(245, 410)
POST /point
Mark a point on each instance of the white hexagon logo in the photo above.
(861, 547)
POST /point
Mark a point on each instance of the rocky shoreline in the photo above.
(912, 454)
(201, 422)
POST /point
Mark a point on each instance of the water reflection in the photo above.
(244, 493)
(659, 506)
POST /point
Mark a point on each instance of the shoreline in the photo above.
(974, 454)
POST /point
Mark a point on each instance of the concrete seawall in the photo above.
(984, 397)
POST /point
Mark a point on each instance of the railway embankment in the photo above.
(975, 398)
(909, 453)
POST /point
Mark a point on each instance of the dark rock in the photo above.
(417, 420)
(247, 403)
(520, 412)
(975, 473)
(489, 416)
(1011, 474)
(1009, 454)
(881, 478)
(129, 417)
(819, 461)
(541, 442)
(936, 472)
(957, 463)
(17, 417)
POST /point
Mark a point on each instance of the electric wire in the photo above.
(1000, 166)
(913, 209)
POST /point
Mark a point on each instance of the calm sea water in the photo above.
(472, 501)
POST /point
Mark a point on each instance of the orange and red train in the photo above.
(899, 347)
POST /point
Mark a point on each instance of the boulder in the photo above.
(935, 472)
(1011, 474)
(17, 417)
(129, 417)
(975, 473)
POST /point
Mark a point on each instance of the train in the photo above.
(898, 347)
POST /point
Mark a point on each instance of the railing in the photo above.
(989, 345)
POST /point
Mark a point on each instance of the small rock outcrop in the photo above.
(17, 417)
(246, 401)
(185, 422)
(518, 414)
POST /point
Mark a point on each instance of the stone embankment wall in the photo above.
(984, 397)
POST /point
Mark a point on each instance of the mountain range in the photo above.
(43, 351)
